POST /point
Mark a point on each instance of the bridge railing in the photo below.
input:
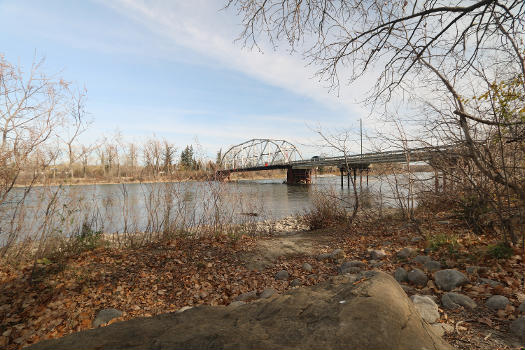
(394, 156)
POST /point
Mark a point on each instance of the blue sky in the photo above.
(173, 69)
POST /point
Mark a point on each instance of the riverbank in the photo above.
(189, 176)
(54, 298)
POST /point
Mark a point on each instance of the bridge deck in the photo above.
(356, 160)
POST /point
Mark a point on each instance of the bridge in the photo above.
(267, 154)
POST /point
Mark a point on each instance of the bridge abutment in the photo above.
(298, 176)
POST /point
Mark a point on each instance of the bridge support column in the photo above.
(298, 176)
(436, 181)
(222, 176)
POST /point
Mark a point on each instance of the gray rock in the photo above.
(418, 277)
(337, 254)
(442, 328)
(282, 275)
(422, 259)
(432, 265)
(353, 266)
(454, 300)
(518, 328)
(236, 304)
(353, 263)
(267, 293)
(490, 282)
(312, 276)
(521, 308)
(386, 243)
(472, 270)
(307, 267)
(352, 277)
(408, 289)
(182, 309)
(433, 297)
(296, 282)
(375, 263)
(106, 315)
(324, 256)
(350, 270)
(426, 307)
(246, 296)
(449, 279)
(406, 253)
(375, 314)
(497, 302)
(377, 254)
(401, 275)
(416, 239)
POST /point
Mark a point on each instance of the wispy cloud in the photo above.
(201, 26)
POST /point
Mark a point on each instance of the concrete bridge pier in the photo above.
(222, 175)
(298, 176)
(353, 172)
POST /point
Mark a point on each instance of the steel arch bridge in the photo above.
(259, 153)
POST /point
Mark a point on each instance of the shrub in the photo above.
(473, 209)
(442, 240)
(501, 250)
(326, 211)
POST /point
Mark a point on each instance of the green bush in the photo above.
(500, 250)
(86, 239)
(442, 240)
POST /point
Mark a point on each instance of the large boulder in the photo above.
(374, 314)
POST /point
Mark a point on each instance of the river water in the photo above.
(147, 207)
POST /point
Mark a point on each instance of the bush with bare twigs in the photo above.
(325, 212)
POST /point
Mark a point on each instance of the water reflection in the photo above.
(121, 207)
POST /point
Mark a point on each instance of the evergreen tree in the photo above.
(186, 158)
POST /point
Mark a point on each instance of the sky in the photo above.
(173, 69)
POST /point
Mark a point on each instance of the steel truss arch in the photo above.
(260, 153)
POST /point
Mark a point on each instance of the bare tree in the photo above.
(30, 112)
(132, 157)
(153, 155)
(341, 143)
(84, 156)
(439, 59)
(168, 156)
(75, 124)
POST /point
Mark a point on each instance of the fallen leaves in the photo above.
(186, 272)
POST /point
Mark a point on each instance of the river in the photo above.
(149, 207)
